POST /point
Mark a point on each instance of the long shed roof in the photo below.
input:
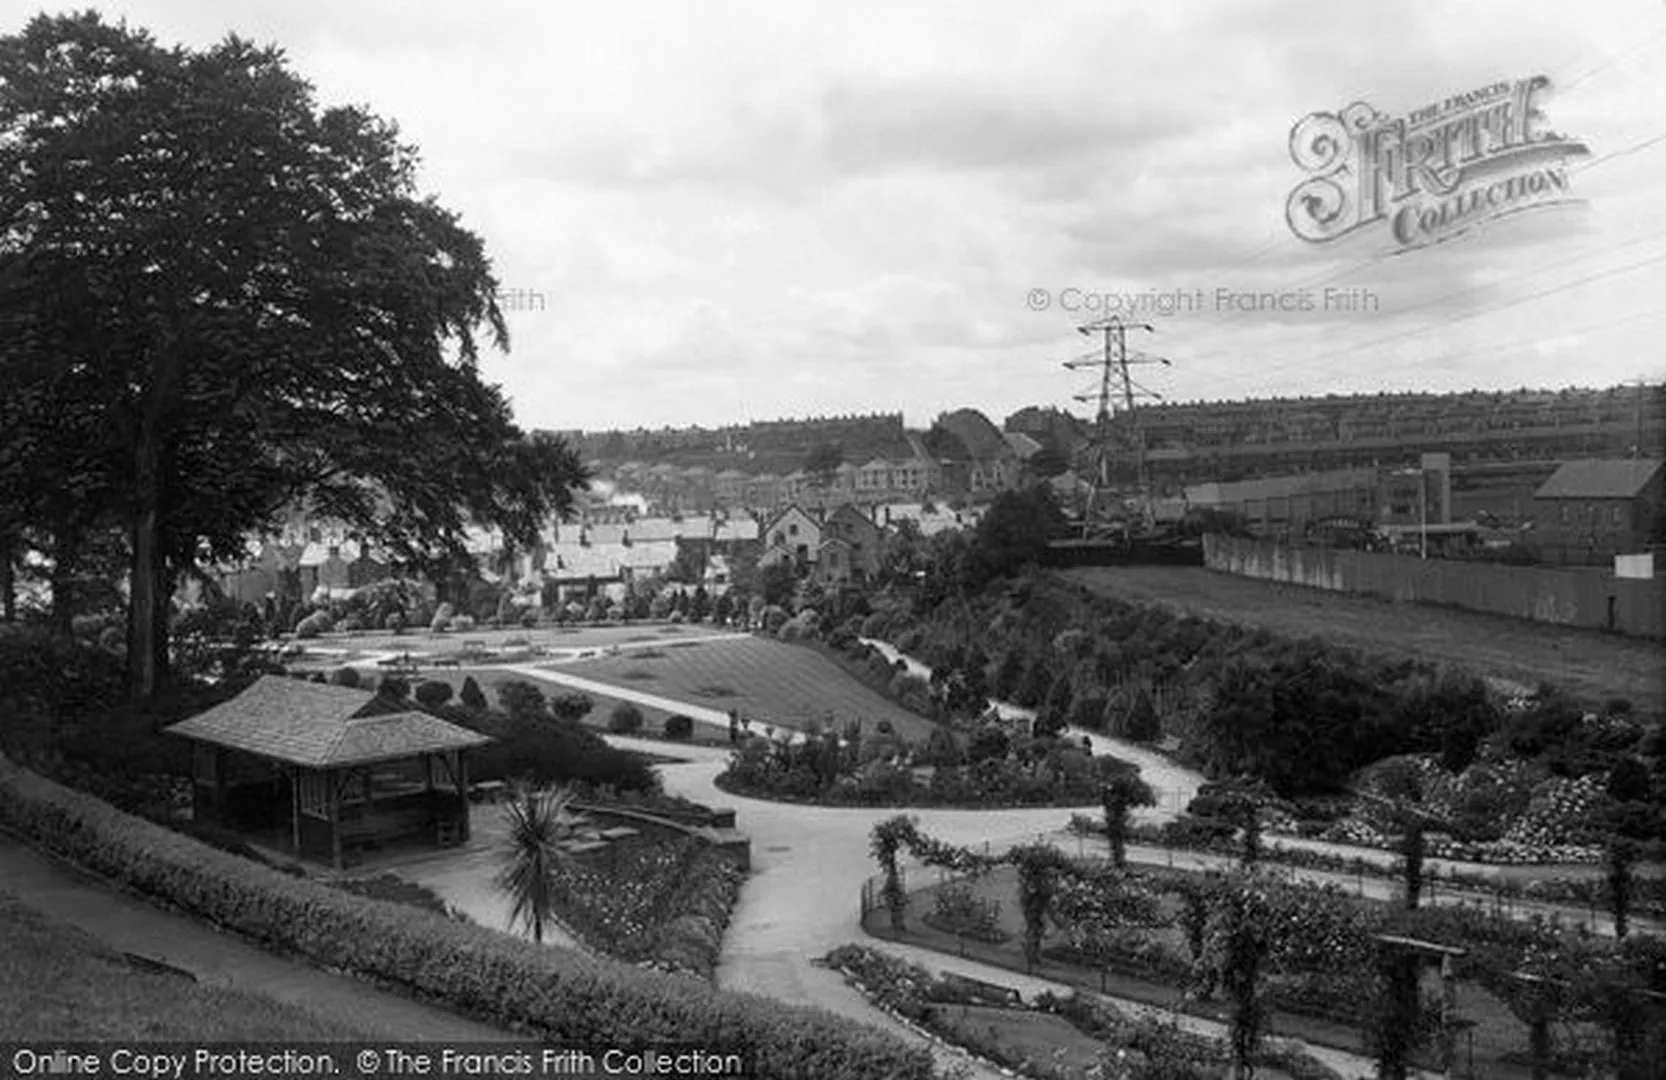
(320, 727)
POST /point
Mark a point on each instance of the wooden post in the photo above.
(219, 786)
(1448, 1014)
(295, 807)
(332, 782)
(463, 790)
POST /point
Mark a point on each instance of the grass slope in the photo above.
(771, 682)
(1589, 664)
(58, 983)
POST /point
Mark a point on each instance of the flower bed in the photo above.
(914, 994)
(554, 994)
(659, 903)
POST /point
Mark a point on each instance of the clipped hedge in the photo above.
(560, 995)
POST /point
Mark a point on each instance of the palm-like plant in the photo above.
(539, 819)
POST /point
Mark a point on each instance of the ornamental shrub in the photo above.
(433, 694)
(471, 695)
(625, 719)
(345, 676)
(571, 706)
(679, 727)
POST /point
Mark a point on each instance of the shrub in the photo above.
(471, 695)
(345, 676)
(433, 694)
(442, 617)
(395, 621)
(572, 706)
(679, 727)
(394, 688)
(461, 623)
(523, 701)
(559, 995)
(625, 718)
(313, 625)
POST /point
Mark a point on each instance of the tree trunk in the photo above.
(64, 557)
(167, 581)
(147, 611)
(8, 579)
(141, 611)
(1412, 865)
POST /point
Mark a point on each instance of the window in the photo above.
(792, 530)
(1615, 516)
(1564, 515)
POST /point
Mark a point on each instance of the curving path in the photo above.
(808, 862)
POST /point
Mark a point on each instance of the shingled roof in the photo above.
(1622, 479)
(318, 726)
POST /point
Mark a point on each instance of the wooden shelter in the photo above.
(335, 768)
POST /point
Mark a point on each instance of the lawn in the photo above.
(58, 983)
(489, 679)
(1035, 1036)
(768, 682)
(421, 641)
(1592, 665)
(1497, 1030)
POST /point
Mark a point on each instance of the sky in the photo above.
(705, 212)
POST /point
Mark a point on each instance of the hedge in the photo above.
(558, 994)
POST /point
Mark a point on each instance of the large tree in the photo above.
(237, 300)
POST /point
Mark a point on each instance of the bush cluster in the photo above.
(559, 995)
(986, 767)
(1300, 714)
(532, 744)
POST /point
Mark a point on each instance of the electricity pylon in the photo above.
(1116, 388)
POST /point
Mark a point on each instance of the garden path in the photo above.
(1350, 1066)
(464, 877)
(1174, 784)
(130, 924)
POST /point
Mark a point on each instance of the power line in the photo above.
(1331, 277)
(1462, 316)
(1613, 154)
(1482, 350)
(1518, 301)
(1611, 61)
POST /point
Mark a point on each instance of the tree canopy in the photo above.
(220, 299)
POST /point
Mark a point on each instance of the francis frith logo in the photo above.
(1432, 174)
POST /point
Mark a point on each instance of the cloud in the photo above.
(740, 209)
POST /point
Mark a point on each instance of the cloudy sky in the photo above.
(712, 212)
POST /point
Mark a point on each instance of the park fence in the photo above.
(1591, 599)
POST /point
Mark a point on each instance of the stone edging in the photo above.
(929, 1036)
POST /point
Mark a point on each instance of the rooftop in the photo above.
(318, 726)
(1621, 479)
